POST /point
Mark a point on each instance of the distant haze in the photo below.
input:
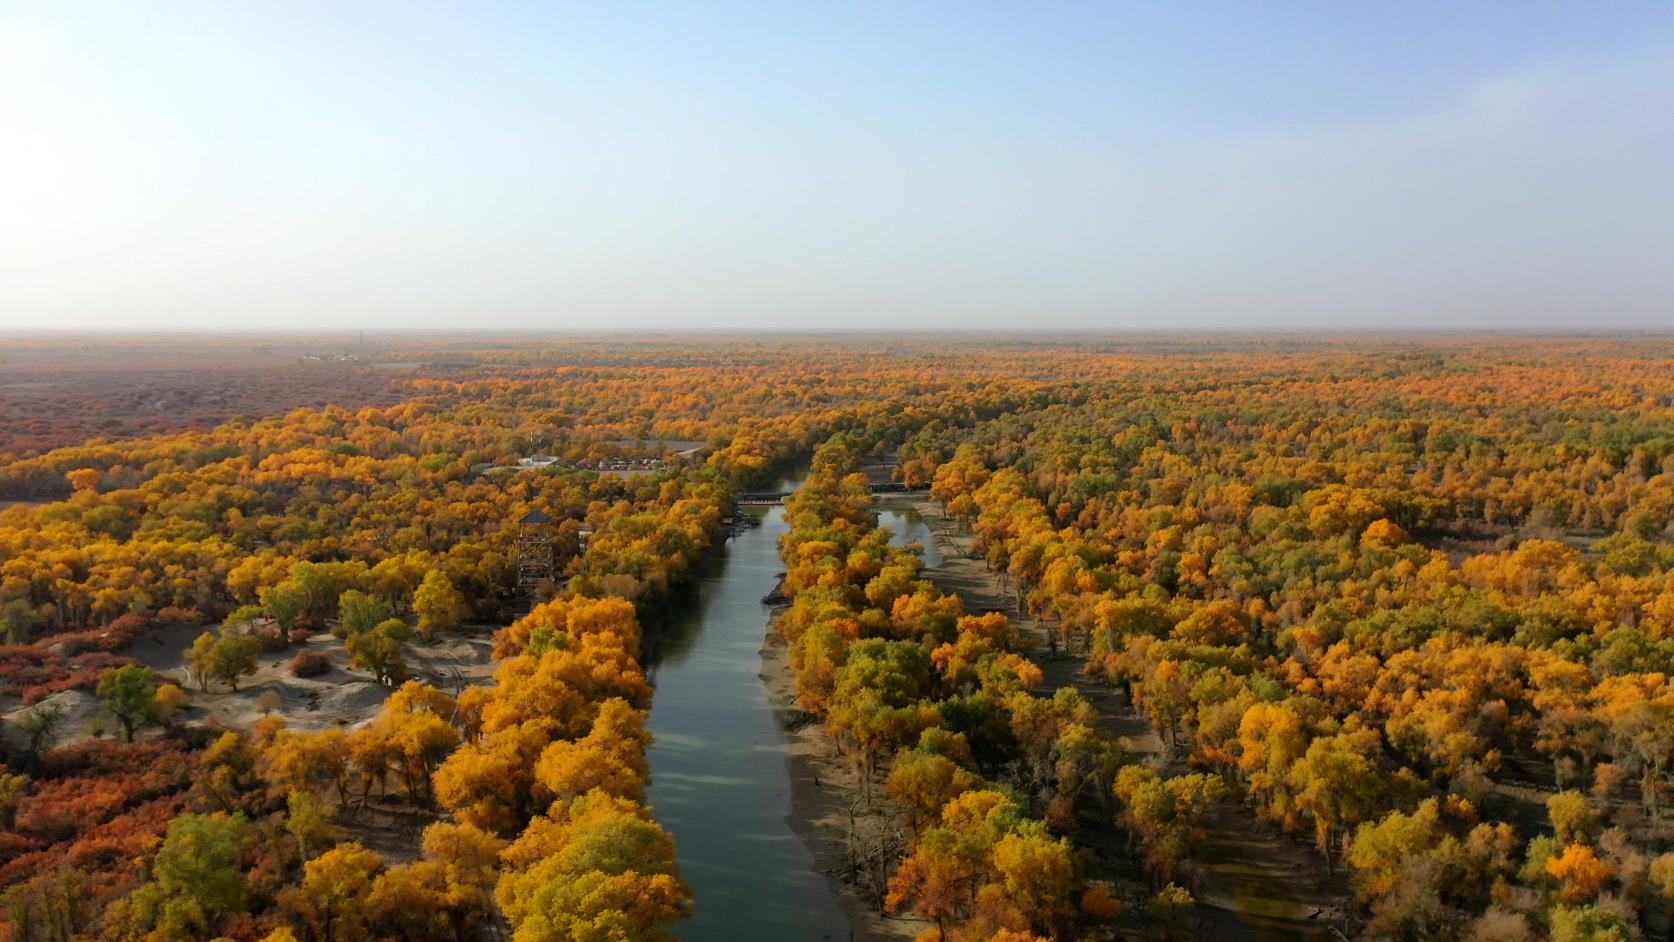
(836, 165)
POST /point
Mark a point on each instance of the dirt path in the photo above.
(1257, 884)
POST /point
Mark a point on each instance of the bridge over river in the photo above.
(774, 498)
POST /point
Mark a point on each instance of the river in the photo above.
(720, 778)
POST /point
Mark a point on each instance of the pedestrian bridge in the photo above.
(772, 498)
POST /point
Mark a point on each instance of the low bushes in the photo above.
(310, 664)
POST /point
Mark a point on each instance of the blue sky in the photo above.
(851, 165)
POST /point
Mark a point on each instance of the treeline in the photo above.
(938, 705)
(1436, 644)
(268, 527)
(328, 520)
(539, 776)
(1398, 596)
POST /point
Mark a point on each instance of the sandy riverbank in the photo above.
(825, 790)
(1255, 884)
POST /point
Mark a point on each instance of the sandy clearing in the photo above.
(78, 713)
(341, 697)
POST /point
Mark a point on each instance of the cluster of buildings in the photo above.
(672, 453)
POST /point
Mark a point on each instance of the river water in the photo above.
(720, 778)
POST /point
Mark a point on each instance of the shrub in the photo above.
(74, 680)
(310, 664)
(124, 630)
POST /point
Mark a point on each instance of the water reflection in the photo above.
(908, 526)
(719, 780)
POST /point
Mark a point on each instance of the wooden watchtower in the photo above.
(535, 533)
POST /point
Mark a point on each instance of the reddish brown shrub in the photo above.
(310, 664)
(170, 615)
(124, 629)
(13, 844)
(97, 807)
(35, 673)
(35, 693)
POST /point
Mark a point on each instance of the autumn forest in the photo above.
(1064, 637)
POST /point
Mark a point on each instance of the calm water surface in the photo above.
(720, 781)
(909, 527)
(719, 778)
(719, 775)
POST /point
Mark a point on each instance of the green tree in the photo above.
(235, 656)
(38, 724)
(380, 649)
(16, 620)
(239, 617)
(874, 708)
(1039, 875)
(224, 657)
(200, 659)
(1588, 924)
(46, 907)
(1572, 816)
(284, 602)
(1380, 846)
(128, 693)
(359, 612)
(195, 880)
(1661, 874)
(309, 821)
(924, 782)
(12, 786)
(1338, 783)
(613, 879)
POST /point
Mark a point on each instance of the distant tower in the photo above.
(534, 551)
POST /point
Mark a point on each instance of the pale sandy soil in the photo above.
(1256, 884)
(341, 697)
(78, 712)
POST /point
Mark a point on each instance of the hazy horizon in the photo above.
(993, 168)
(995, 333)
